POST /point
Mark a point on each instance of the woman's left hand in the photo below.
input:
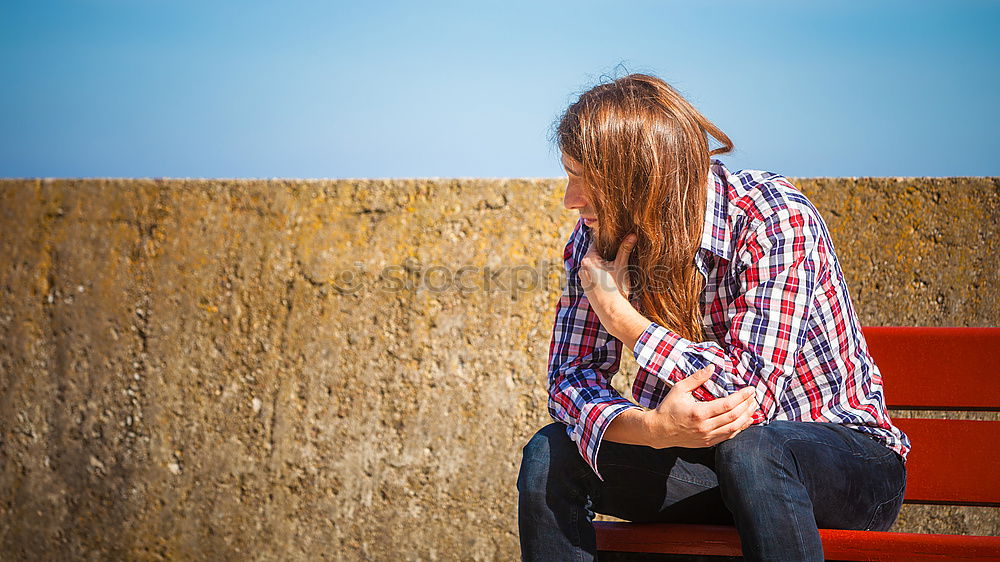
(606, 283)
(608, 289)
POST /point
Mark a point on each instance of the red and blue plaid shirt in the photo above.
(777, 317)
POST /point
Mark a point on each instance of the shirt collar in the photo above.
(715, 238)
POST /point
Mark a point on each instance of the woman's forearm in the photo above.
(629, 427)
(626, 323)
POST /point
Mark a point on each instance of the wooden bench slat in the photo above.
(714, 540)
(937, 368)
(864, 545)
(951, 462)
(706, 540)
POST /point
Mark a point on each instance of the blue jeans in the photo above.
(778, 483)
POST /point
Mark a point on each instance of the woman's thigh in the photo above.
(852, 481)
(644, 484)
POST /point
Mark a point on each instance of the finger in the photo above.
(743, 410)
(695, 380)
(731, 436)
(732, 429)
(721, 406)
(621, 260)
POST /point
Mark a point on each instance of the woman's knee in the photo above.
(755, 455)
(548, 451)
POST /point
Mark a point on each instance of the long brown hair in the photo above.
(645, 157)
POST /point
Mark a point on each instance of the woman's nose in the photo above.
(574, 198)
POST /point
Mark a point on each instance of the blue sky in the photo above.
(237, 89)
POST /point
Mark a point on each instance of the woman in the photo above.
(761, 405)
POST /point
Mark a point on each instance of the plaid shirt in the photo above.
(777, 317)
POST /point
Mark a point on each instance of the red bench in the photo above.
(953, 462)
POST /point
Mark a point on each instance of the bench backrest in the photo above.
(954, 462)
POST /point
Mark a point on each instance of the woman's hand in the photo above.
(608, 289)
(607, 283)
(680, 420)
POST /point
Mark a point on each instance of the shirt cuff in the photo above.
(658, 346)
(665, 354)
(594, 421)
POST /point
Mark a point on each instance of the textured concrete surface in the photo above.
(300, 370)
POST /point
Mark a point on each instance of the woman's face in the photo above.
(576, 192)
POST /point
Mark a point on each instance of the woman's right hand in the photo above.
(681, 420)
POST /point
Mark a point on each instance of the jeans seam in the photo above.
(862, 456)
(788, 453)
(578, 540)
(883, 449)
(879, 507)
(692, 482)
(705, 485)
(893, 499)
(814, 442)
(875, 513)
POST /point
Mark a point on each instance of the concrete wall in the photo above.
(343, 370)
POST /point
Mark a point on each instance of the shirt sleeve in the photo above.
(779, 264)
(583, 357)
